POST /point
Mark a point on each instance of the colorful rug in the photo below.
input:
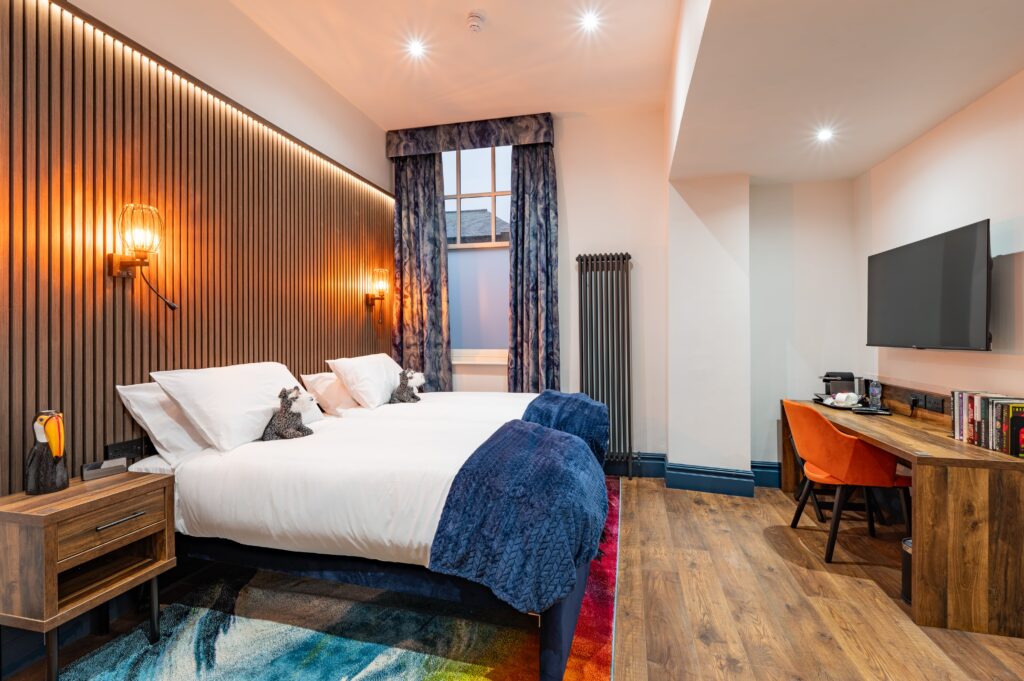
(264, 626)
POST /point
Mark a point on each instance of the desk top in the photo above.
(915, 441)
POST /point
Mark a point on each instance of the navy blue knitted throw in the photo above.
(573, 413)
(524, 512)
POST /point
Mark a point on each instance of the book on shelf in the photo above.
(1016, 436)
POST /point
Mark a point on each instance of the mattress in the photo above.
(370, 484)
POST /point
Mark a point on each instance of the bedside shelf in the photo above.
(102, 579)
(65, 553)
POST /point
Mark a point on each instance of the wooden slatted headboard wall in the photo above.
(268, 246)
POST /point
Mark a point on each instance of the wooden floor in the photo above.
(718, 587)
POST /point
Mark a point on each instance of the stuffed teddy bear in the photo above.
(286, 423)
(408, 382)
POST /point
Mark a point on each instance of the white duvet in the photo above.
(371, 483)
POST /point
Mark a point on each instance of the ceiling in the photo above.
(880, 72)
(530, 56)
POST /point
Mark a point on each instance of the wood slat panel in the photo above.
(6, 235)
(267, 248)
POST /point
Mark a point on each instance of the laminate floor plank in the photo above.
(630, 628)
(669, 638)
(719, 647)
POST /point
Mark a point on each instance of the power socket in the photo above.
(130, 449)
(934, 403)
(917, 400)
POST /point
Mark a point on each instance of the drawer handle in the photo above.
(125, 519)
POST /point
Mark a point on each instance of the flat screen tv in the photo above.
(933, 293)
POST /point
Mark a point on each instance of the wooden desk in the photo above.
(968, 521)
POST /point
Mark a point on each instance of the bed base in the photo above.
(557, 623)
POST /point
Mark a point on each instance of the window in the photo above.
(478, 200)
(478, 196)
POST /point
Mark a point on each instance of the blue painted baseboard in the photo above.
(649, 465)
(702, 478)
(705, 479)
(766, 473)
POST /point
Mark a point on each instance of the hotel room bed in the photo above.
(372, 483)
(358, 501)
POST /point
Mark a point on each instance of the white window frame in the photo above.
(458, 196)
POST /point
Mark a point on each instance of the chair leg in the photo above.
(869, 511)
(817, 506)
(804, 494)
(842, 496)
(908, 510)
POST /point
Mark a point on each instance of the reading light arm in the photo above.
(173, 306)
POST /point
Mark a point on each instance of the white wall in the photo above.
(215, 42)
(802, 297)
(693, 16)
(612, 198)
(709, 322)
(968, 168)
(487, 378)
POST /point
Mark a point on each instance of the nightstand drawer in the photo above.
(94, 529)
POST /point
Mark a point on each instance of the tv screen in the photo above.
(932, 293)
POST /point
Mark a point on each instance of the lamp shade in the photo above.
(140, 228)
(380, 282)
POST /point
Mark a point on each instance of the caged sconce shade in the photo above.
(379, 286)
(139, 230)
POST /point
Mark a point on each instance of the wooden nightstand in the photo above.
(63, 554)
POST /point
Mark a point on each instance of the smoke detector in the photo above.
(475, 21)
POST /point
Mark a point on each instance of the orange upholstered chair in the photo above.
(834, 458)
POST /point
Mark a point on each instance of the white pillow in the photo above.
(232, 405)
(371, 379)
(332, 395)
(168, 427)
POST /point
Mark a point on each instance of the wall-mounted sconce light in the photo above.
(139, 229)
(379, 286)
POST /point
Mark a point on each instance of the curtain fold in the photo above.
(533, 357)
(420, 338)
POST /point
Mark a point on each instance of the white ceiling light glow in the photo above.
(824, 135)
(415, 48)
(590, 21)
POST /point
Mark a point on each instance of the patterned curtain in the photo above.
(533, 363)
(420, 317)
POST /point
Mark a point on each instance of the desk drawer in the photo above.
(108, 524)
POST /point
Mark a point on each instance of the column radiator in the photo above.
(605, 345)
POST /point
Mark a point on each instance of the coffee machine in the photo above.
(843, 382)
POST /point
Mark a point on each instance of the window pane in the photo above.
(503, 168)
(502, 215)
(450, 219)
(476, 220)
(448, 164)
(476, 171)
(478, 291)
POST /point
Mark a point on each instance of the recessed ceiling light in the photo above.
(824, 134)
(590, 21)
(415, 48)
